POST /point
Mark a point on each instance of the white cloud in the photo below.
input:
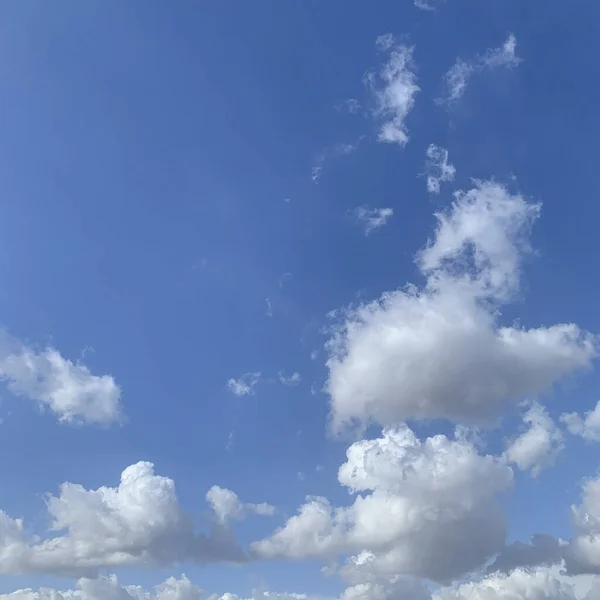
(68, 389)
(505, 56)
(394, 89)
(431, 511)
(137, 523)
(542, 550)
(244, 385)
(372, 218)
(438, 351)
(537, 447)
(437, 168)
(583, 552)
(587, 427)
(261, 594)
(428, 4)
(108, 588)
(538, 584)
(398, 588)
(292, 380)
(227, 505)
(457, 78)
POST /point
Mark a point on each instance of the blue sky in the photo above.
(193, 192)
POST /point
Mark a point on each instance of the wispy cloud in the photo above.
(329, 153)
(372, 218)
(457, 77)
(394, 88)
(428, 4)
(244, 385)
(437, 168)
(350, 105)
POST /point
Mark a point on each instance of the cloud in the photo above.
(330, 153)
(543, 550)
(457, 78)
(505, 56)
(438, 351)
(291, 381)
(244, 385)
(587, 427)
(108, 588)
(350, 105)
(583, 553)
(398, 588)
(68, 389)
(394, 89)
(137, 523)
(537, 584)
(426, 508)
(372, 218)
(283, 279)
(428, 4)
(227, 505)
(437, 168)
(537, 447)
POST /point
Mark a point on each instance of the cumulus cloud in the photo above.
(397, 588)
(426, 508)
(588, 426)
(439, 351)
(537, 584)
(244, 385)
(372, 218)
(583, 552)
(543, 550)
(68, 389)
(261, 594)
(394, 89)
(437, 168)
(537, 447)
(137, 523)
(227, 505)
(108, 588)
(457, 78)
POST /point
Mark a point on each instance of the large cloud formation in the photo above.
(439, 351)
(429, 509)
(138, 523)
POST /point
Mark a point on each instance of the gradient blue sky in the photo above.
(155, 178)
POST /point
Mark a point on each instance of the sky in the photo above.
(299, 300)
